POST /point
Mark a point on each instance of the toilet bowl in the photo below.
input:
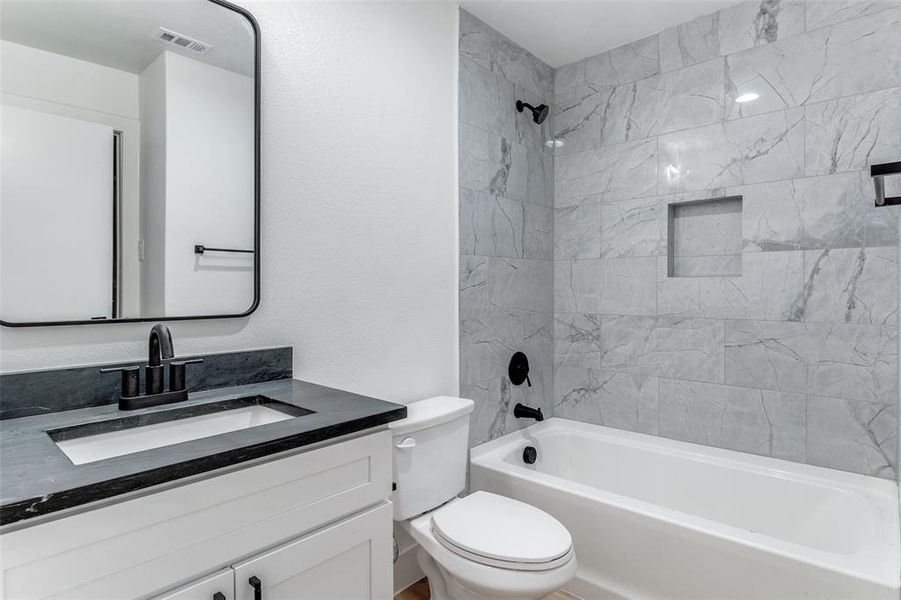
(491, 547)
(480, 546)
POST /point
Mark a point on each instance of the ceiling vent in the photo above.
(182, 41)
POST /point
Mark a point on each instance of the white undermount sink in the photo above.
(99, 446)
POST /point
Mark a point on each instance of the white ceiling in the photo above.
(565, 31)
(117, 33)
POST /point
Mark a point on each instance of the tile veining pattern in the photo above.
(506, 228)
(797, 357)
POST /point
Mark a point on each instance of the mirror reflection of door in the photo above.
(57, 219)
(128, 138)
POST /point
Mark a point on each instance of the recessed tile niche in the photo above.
(705, 238)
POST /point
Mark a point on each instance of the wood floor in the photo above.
(417, 591)
(420, 591)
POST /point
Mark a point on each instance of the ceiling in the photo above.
(117, 33)
(565, 31)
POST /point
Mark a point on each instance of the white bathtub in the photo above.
(657, 518)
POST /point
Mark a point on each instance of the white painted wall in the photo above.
(153, 186)
(61, 85)
(35, 73)
(209, 188)
(359, 208)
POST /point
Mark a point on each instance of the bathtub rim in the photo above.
(883, 495)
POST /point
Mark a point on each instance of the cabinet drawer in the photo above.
(140, 547)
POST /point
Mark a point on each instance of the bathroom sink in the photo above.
(100, 440)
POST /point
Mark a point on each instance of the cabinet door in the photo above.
(350, 560)
(206, 588)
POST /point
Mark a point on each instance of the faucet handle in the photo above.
(177, 373)
(131, 380)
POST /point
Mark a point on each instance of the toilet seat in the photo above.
(501, 532)
(483, 580)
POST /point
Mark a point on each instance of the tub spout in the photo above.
(521, 411)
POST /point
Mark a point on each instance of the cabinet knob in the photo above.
(219, 596)
(257, 586)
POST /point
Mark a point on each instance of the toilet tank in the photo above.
(431, 449)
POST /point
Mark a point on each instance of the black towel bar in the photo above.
(878, 172)
(200, 249)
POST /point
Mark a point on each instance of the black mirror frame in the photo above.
(256, 203)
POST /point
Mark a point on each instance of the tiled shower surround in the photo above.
(506, 228)
(796, 357)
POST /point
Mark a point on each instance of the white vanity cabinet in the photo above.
(347, 560)
(305, 523)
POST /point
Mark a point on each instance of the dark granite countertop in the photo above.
(36, 478)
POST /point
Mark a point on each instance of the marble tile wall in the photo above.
(506, 228)
(795, 358)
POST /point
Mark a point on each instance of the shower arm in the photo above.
(539, 113)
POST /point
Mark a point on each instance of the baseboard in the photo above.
(406, 569)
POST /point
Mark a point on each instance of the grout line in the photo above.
(661, 378)
(724, 352)
(804, 31)
(513, 140)
(490, 195)
(579, 199)
(806, 424)
(727, 120)
(891, 6)
(730, 319)
(724, 254)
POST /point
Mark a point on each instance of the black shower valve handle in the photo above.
(518, 370)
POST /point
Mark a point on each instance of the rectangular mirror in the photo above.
(129, 161)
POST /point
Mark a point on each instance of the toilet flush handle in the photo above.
(406, 443)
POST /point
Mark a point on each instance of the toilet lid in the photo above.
(503, 531)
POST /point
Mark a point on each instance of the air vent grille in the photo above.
(182, 41)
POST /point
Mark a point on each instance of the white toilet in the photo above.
(479, 546)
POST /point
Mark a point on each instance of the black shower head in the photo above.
(539, 113)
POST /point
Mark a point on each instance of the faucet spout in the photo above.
(521, 411)
(159, 345)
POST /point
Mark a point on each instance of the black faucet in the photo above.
(521, 411)
(159, 345)
(159, 348)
